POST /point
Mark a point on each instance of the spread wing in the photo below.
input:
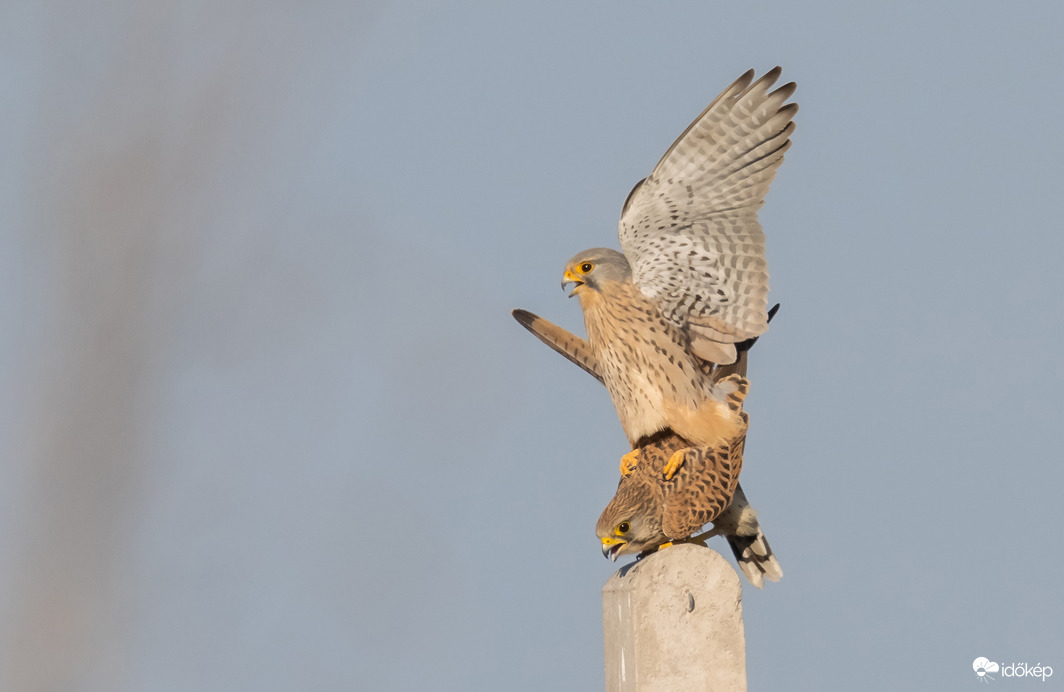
(690, 229)
(578, 351)
(561, 340)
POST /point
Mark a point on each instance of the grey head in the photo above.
(592, 269)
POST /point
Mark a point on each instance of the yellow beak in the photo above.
(611, 547)
(571, 278)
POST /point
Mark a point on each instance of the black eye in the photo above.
(623, 527)
(586, 267)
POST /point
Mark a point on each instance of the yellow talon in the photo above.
(628, 462)
(664, 545)
(673, 465)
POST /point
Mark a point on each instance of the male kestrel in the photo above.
(692, 281)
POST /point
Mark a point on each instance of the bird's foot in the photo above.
(673, 464)
(629, 461)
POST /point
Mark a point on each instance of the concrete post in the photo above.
(674, 622)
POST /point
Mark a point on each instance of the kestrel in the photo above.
(692, 281)
(673, 492)
(738, 523)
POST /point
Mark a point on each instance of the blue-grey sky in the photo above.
(267, 424)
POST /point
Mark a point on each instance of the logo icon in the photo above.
(983, 667)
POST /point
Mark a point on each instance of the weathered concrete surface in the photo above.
(674, 622)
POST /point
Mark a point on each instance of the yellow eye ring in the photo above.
(586, 267)
(623, 528)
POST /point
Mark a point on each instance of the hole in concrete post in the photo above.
(690, 602)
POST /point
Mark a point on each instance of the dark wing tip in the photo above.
(628, 199)
(790, 109)
(525, 317)
(787, 90)
(749, 343)
(768, 79)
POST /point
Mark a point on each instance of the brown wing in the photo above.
(563, 341)
(702, 488)
(578, 351)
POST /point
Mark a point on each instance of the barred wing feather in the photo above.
(690, 229)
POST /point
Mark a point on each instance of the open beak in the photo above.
(611, 547)
(570, 278)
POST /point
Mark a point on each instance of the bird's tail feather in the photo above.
(755, 558)
(739, 525)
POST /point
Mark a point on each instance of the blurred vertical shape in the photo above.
(144, 131)
(86, 426)
(98, 195)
